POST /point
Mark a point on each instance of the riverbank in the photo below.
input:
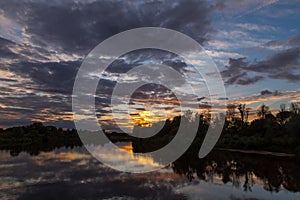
(258, 152)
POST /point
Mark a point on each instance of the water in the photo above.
(74, 174)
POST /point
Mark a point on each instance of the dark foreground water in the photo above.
(74, 174)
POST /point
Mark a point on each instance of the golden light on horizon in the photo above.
(143, 118)
(147, 118)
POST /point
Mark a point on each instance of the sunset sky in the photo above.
(255, 44)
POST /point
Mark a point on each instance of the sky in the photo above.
(255, 45)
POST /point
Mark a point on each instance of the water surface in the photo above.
(75, 174)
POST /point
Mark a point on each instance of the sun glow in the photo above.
(143, 119)
(147, 118)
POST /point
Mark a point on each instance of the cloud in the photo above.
(25, 108)
(286, 75)
(220, 5)
(260, 6)
(255, 27)
(249, 80)
(34, 86)
(280, 65)
(4, 49)
(265, 92)
(78, 26)
(45, 42)
(8, 28)
(293, 41)
(229, 39)
(268, 96)
(234, 73)
(41, 90)
(32, 68)
(234, 8)
(222, 54)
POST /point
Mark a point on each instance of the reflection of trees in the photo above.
(242, 171)
(249, 181)
(164, 135)
(36, 138)
(278, 133)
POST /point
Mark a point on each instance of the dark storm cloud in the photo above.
(286, 75)
(49, 77)
(5, 90)
(32, 102)
(234, 73)
(31, 107)
(52, 30)
(286, 60)
(4, 49)
(35, 64)
(55, 80)
(234, 67)
(134, 59)
(292, 42)
(235, 77)
(249, 80)
(153, 91)
(78, 26)
(144, 57)
(7, 80)
(266, 92)
(220, 5)
(14, 53)
(281, 65)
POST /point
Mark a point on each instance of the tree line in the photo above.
(269, 132)
(37, 137)
(273, 132)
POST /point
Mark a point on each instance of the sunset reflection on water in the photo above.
(123, 158)
(75, 174)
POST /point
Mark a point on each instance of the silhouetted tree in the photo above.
(247, 113)
(282, 107)
(283, 117)
(295, 108)
(241, 108)
(231, 111)
(263, 110)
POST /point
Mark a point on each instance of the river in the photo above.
(74, 174)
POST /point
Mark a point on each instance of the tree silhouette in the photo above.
(282, 107)
(241, 108)
(283, 117)
(263, 111)
(295, 106)
(231, 111)
(247, 113)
